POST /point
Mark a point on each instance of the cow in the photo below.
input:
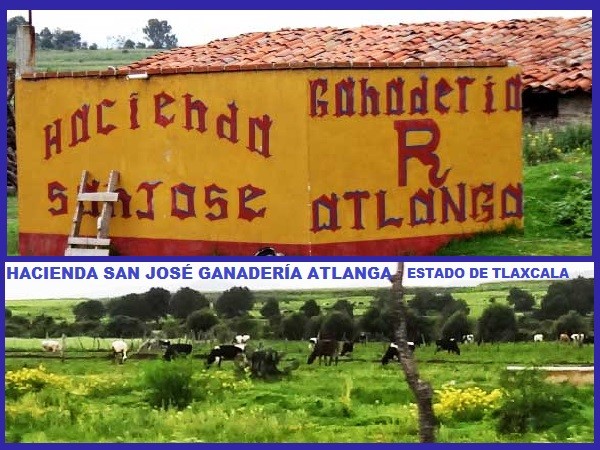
(327, 348)
(538, 337)
(578, 337)
(564, 337)
(449, 345)
(241, 339)
(393, 352)
(347, 348)
(362, 338)
(174, 350)
(268, 251)
(311, 343)
(589, 340)
(468, 339)
(119, 349)
(225, 352)
(51, 345)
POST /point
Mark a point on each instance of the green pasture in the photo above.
(359, 400)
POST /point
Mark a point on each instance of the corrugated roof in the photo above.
(554, 53)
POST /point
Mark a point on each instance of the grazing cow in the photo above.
(225, 352)
(447, 344)
(268, 251)
(589, 339)
(538, 337)
(468, 339)
(347, 347)
(393, 352)
(578, 337)
(119, 349)
(241, 339)
(50, 345)
(362, 338)
(327, 348)
(311, 342)
(564, 337)
(174, 350)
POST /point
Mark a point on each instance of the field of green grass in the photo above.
(359, 400)
(81, 60)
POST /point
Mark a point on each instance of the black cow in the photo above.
(447, 344)
(224, 352)
(362, 338)
(174, 350)
(268, 251)
(328, 348)
(347, 347)
(393, 352)
(588, 339)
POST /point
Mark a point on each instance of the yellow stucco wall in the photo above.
(310, 155)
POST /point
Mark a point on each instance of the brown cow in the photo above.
(564, 337)
(329, 348)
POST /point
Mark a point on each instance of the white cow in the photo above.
(538, 337)
(241, 339)
(51, 345)
(119, 347)
(468, 339)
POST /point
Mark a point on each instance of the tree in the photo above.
(345, 306)
(497, 323)
(157, 32)
(158, 302)
(45, 39)
(89, 310)
(564, 296)
(570, 323)
(125, 327)
(337, 325)
(129, 44)
(421, 389)
(7, 313)
(185, 301)
(310, 308)
(520, 299)
(270, 309)
(292, 326)
(94, 46)
(140, 45)
(66, 40)
(13, 23)
(456, 326)
(201, 321)
(234, 302)
(131, 305)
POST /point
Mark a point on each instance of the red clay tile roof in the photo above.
(554, 53)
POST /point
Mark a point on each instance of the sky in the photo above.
(107, 288)
(199, 27)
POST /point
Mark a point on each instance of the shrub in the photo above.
(530, 404)
(550, 144)
(168, 384)
(574, 212)
(467, 404)
(19, 382)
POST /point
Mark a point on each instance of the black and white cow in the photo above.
(227, 352)
(347, 348)
(175, 350)
(393, 352)
(268, 251)
(449, 345)
(362, 338)
(589, 340)
(327, 348)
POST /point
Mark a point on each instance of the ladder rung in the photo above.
(86, 252)
(88, 241)
(98, 197)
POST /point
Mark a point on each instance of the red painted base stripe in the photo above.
(38, 244)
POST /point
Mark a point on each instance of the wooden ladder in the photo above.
(86, 245)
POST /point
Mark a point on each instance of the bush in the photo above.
(530, 404)
(469, 404)
(168, 385)
(574, 212)
(550, 144)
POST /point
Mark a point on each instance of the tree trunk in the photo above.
(421, 389)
